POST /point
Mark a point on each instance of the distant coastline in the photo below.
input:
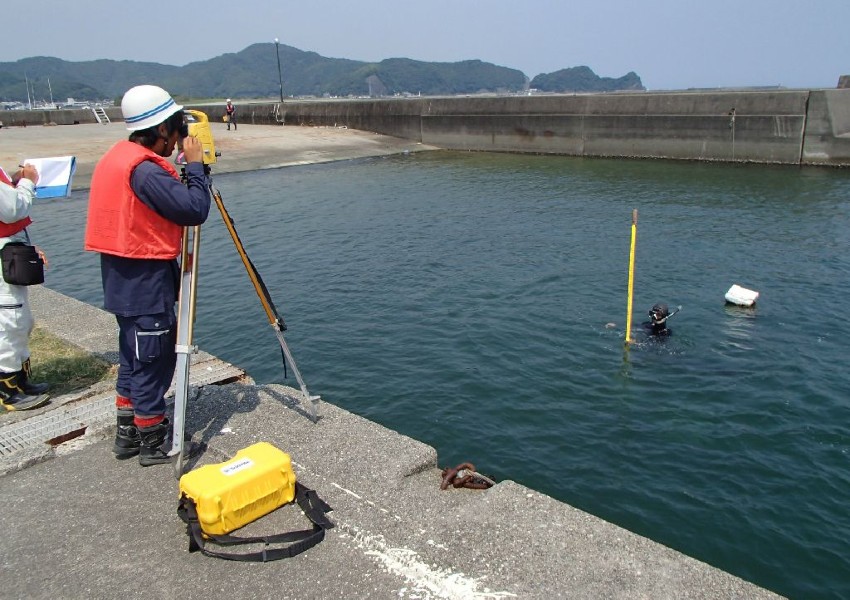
(245, 74)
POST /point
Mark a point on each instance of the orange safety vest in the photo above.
(10, 229)
(118, 221)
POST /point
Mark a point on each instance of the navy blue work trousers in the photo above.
(146, 360)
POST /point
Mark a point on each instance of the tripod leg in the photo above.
(184, 347)
(265, 299)
(313, 405)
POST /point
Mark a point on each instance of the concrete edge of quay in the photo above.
(99, 526)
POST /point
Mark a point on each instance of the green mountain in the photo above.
(253, 73)
(92, 80)
(583, 79)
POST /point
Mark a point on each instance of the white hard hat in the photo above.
(146, 106)
(228, 99)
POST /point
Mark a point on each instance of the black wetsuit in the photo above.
(660, 330)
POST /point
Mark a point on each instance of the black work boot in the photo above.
(127, 438)
(33, 389)
(155, 444)
(13, 396)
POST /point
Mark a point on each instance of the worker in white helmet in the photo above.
(138, 208)
(231, 114)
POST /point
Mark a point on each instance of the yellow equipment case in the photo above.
(219, 498)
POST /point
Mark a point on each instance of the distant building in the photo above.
(71, 103)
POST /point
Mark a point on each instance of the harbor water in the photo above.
(477, 302)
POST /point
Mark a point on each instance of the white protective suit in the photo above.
(16, 320)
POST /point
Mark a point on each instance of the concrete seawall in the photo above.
(786, 127)
(795, 127)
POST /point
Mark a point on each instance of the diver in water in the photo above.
(658, 317)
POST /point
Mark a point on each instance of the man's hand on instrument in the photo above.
(193, 150)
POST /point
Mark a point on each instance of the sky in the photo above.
(670, 44)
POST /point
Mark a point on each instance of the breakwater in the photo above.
(795, 127)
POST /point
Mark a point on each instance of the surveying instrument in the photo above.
(199, 127)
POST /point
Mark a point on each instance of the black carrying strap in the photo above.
(299, 541)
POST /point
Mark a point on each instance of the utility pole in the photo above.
(279, 75)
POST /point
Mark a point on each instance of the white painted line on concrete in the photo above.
(369, 502)
(427, 582)
(339, 487)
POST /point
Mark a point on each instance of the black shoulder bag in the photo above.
(22, 264)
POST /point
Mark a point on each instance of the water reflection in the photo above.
(739, 324)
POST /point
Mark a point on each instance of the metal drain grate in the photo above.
(74, 416)
(58, 422)
(205, 370)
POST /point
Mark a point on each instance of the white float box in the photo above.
(741, 296)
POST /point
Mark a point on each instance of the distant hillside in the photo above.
(583, 79)
(252, 73)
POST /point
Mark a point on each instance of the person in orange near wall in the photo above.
(231, 114)
(17, 392)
